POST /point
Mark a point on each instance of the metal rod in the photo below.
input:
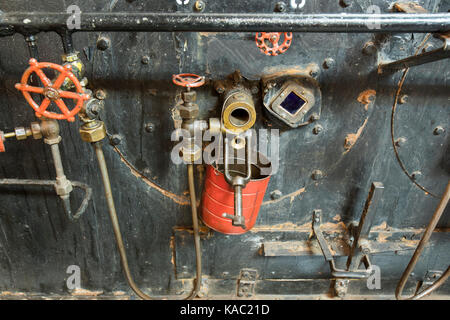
(57, 161)
(31, 182)
(33, 22)
(421, 246)
(417, 60)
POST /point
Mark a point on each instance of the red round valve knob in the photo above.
(269, 42)
(51, 91)
(188, 80)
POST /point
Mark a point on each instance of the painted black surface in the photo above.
(37, 241)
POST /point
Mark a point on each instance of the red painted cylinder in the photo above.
(218, 198)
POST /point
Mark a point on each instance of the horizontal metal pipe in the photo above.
(66, 201)
(33, 22)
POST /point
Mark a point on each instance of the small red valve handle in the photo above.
(273, 38)
(51, 91)
(2, 145)
(188, 80)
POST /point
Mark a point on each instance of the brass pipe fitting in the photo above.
(50, 131)
(93, 131)
(21, 133)
(238, 112)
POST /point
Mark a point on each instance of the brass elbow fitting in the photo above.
(50, 131)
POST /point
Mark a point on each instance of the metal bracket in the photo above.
(423, 58)
(431, 276)
(246, 284)
(360, 246)
(417, 60)
(335, 272)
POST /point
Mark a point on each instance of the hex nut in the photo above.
(190, 154)
(36, 130)
(190, 96)
(63, 186)
(93, 133)
(189, 111)
(21, 133)
(115, 139)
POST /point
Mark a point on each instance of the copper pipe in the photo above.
(116, 227)
(415, 258)
(115, 221)
(198, 253)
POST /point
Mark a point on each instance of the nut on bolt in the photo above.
(103, 43)
(317, 129)
(280, 7)
(149, 127)
(100, 94)
(328, 63)
(145, 60)
(369, 48)
(276, 194)
(317, 175)
(115, 139)
(199, 5)
(438, 130)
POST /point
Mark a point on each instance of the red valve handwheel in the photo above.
(273, 38)
(188, 80)
(51, 91)
(2, 145)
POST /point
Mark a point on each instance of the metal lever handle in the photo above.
(337, 273)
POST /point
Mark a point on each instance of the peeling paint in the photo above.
(84, 292)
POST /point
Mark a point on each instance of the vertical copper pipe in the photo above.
(118, 235)
(115, 221)
(198, 253)
(415, 258)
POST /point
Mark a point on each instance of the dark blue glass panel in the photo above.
(292, 103)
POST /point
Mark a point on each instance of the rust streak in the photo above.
(352, 138)
(181, 200)
(367, 97)
(292, 195)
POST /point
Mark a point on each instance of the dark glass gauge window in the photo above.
(293, 103)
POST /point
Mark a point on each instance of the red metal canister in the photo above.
(218, 198)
